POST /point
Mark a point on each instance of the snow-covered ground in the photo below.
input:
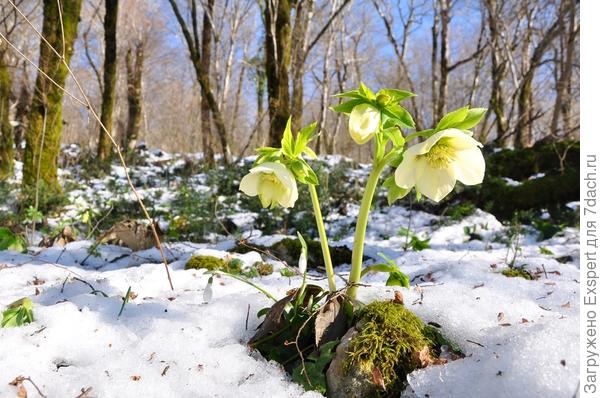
(520, 337)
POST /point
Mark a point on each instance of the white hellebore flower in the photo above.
(273, 183)
(433, 166)
(364, 122)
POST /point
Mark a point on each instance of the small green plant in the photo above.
(461, 210)
(517, 272)
(547, 229)
(413, 241)
(17, 314)
(311, 375)
(544, 250)
(395, 278)
(11, 241)
(470, 231)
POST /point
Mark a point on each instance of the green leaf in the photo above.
(394, 134)
(377, 268)
(349, 94)
(423, 133)
(310, 153)
(287, 142)
(366, 91)
(394, 191)
(303, 137)
(346, 107)
(315, 365)
(401, 115)
(473, 118)
(18, 313)
(396, 95)
(398, 278)
(452, 119)
(11, 241)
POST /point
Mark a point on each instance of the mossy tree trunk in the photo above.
(45, 119)
(135, 67)
(207, 149)
(6, 137)
(110, 78)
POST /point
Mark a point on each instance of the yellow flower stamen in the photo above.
(440, 155)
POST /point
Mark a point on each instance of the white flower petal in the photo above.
(363, 123)
(405, 175)
(469, 166)
(434, 183)
(249, 184)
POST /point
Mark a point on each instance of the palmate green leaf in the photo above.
(400, 115)
(452, 119)
(310, 153)
(394, 191)
(395, 135)
(346, 107)
(473, 118)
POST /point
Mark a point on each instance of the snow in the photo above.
(520, 337)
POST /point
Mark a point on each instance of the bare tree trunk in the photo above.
(277, 60)
(304, 13)
(562, 104)
(434, 64)
(6, 134)
(444, 58)
(45, 118)
(110, 78)
(21, 112)
(207, 148)
(323, 109)
(498, 72)
(523, 137)
(135, 68)
(193, 44)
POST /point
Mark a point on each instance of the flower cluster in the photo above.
(447, 153)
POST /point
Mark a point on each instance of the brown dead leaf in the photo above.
(524, 320)
(500, 316)
(132, 234)
(164, 372)
(21, 390)
(132, 295)
(378, 378)
(330, 323)
(505, 324)
(37, 281)
(479, 285)
(398, 298)
(136, 378)
(566, 305)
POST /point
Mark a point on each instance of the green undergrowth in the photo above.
(517, 272)
(233, 266)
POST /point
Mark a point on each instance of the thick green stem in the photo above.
(322, 237)
(361, 226)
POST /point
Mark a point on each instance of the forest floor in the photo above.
(520, 336)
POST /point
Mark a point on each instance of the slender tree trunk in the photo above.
(6, 134)
(434, 64)
(304, 13)
(562, 104)
(444, 58)
(21, 113)
(110, 78)
(277, 61)
(206, 123)
(135, 68)
(193, 43)
(498, 72)
(41, 155)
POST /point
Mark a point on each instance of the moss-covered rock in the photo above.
(517, 272)
(387, 343)
(288, 250)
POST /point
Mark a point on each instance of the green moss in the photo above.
(263, 268)
(209, 263)
(389, 339)
(517, 272)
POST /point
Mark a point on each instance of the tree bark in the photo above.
(193, 44)
(21, 113)
(110, 78)
(304, 13)
(277, 61)
(444, 58)
(205, 62)
(498, 72)
(6, 134)
(135, 68)
(43, 144)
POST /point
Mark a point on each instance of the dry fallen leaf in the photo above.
(378, 378)
(523, 320)
(566, 305)
(500, 316)
(330, 323)
(136, 377)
